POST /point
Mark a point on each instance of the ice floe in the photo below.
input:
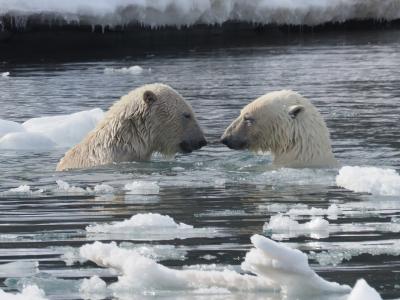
(133, 70)
(30, 292)
(335, 255)
(19, 269)
(331, 212)
(93, 288)
(150, 226)
(22, 190)
(142, 188)
(362, 291)
(48, 132)
(285, 227)
(276, 267)
(376, 181)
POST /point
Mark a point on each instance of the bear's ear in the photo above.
(149, 97)
(294, 110)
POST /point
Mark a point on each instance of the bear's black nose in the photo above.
(224, 141)
(202, 143)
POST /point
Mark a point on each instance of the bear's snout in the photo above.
(233, 143)
(188, 146)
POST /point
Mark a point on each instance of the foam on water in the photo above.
(377, 181)
(31, 292)
(276, 267)
(189, 12)
(46, 133)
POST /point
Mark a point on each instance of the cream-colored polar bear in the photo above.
(151, 118)
(285, 124)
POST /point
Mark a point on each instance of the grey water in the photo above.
(355, 84)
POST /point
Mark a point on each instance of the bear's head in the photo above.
(156, 118)
(280, 122)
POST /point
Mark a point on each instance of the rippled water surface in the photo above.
(227, 194)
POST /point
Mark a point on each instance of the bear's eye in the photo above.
(249, 120)
(187, 115)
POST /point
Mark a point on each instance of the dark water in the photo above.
(354, 83)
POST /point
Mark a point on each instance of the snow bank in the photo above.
(285, 227)
(48, 132)
(31, 292)
(377, 181)
(362, 291)
(142, 188)
(133, 70)
(276, 267)
(189, 12)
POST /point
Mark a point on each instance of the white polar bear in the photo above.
(152, 118)
(285, 124)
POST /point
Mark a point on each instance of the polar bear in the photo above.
(152, 118)
(285, 124)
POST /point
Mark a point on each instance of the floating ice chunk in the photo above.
(348, 250)
(148, 226)
(142, 188)
(5, 74)
(362, 291)
(285, 227)
(372, 180)
(22, 190)
(70, 255)
(287, 268)
(9, 126)
(276, 267)
(103, 189)
(147, 222)
(64, 186)
(157, 252)
(332, 211)
(142, 275)
(65, 130)
(31, 292)
(19, 269)
(26, 141)
(133, 70)
(94, 288)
